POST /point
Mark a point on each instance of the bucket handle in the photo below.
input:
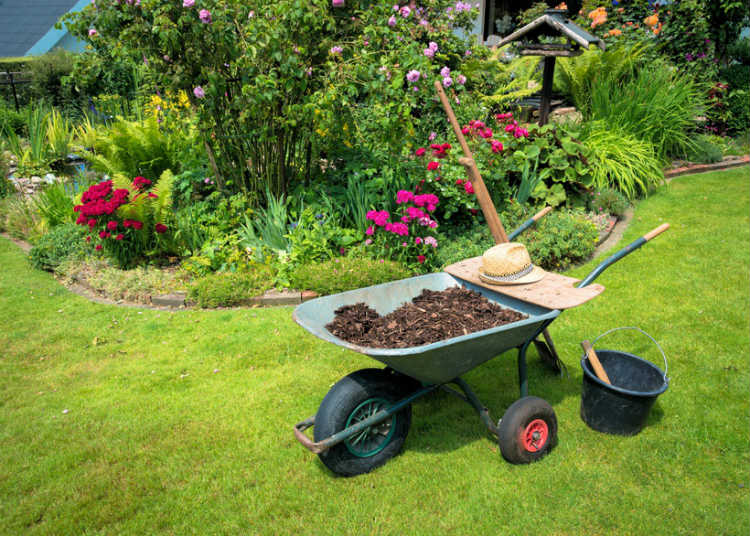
(646, 334)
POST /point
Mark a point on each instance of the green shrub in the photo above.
(227, 289)
(559, 240)
(608, 201)
(736, 75)
(14, 120)
(705, 151)
(6, 188)
(621, 161)
(346, 273)
(47, 72)
(739, 110)
(62, 243)
(54, 205)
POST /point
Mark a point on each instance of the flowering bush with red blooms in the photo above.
(409, 235)
(514, 161)
(125, 240)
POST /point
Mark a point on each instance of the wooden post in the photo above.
(547, 80)
(483, 196)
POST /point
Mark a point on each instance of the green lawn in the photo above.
(127, 421)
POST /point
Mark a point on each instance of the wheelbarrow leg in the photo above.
(522, 380)
(548, 353)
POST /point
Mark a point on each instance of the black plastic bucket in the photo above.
(623, 407)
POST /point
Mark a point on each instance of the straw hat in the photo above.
(509, 264)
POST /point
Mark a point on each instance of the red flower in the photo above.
(136, 224)
(112, 225)
(141, 182)
(103, 234)
(98, 247)
(119, 237)
(88, 239)
(152, 196)
(421, 259)
(421, 151)
(432, 166)
(92, 223)
(468, 187)
(160, 228)
(127, 223)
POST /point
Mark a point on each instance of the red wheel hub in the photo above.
(534, 437)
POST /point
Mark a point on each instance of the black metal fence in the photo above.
(12, 80)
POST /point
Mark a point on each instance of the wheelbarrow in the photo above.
(364, 419)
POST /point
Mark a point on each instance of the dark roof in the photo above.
(24, 22)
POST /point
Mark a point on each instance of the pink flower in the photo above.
(421, 259)
(336, 50)
(461, 79)
(468, 187)
(417, 240)
(421, 151)
(379, 217)
(370, 230)
(337, 3)
(119, 236)
(432, 166)
(445, 72)
(432, 136)
(112, 225)
(98, 247)
(392, 21)
(415, 213)
(496, 146)
(430, 241)
(368, 242)
(413, 75)
(198, 92)
(429, 52)
(188, 3)
(447, 82)
(510, 128)
(486, 133)
(404, 196)
(405, 11)
(205, 16)
(400, 229)
(93, 32)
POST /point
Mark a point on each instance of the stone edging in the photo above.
(178, 300)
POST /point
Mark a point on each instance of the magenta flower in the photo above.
(430, 241)
(205, 16)
(370, 230)
(198, 92)
(404, 196)
(93, 32)
(405, 11)
(421, 151)
(337, 3)
(417, 240)
(432, 135)
(461, 79)
(336, 50)
(392, 21)
(421, 259)
(468, 187)
(447, 82)
(445, 72)
(188, 3)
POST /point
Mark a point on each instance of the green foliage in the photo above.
(504, 83)
(271, 91)
(61, 243)
(47, 74)
(133, 148)
(656, 105)
(268, 228)
(12, 120)
(621, 161)
(608, 201)
(19, 218)
(577, 76)
(6, 187)
(228, 289)
(704, 151)
(740, 51)
(739, 110)
(346, 273)
(560, 239)
(59, 136)
(54, 205)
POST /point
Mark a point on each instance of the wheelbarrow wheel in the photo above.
(354, 398)
(527, 431)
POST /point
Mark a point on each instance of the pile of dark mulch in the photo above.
(430, 317)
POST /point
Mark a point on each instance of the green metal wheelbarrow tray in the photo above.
(365, 417)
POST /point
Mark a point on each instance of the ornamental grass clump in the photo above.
(127, 229)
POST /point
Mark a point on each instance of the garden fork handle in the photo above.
(483, 196)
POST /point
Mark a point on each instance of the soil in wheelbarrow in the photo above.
(430, 317)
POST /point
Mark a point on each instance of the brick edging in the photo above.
(701, 168)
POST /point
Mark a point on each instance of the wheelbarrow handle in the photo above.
(620, 254)
(528, 223)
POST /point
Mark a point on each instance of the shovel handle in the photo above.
(620, 254)
(652, 234)
(528, 223)
(595, 363)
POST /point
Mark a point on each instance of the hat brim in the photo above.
(536, 274)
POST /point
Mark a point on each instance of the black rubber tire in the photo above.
(517, 418)
(343, 399)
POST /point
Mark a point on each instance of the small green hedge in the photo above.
(64, 242)
(344, 273)
(229, 289)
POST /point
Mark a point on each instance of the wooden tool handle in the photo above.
(542, 213)
(594, 360)
(663, 227)
(483, 196)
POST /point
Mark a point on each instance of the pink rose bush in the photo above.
(407, 235)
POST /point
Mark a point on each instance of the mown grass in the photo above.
(180, 423)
